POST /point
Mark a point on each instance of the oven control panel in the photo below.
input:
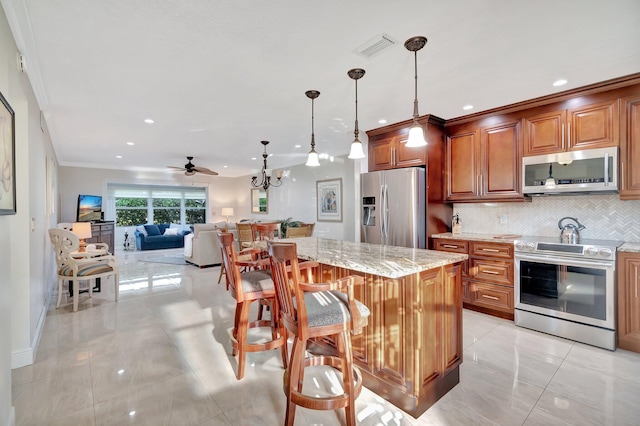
(552, 247)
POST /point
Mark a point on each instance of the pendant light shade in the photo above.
(312, 160)
(416, 133)
(356, 152)
(550, 183)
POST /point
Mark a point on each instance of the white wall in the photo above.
(26, 259)
(295, 198)
(605, 217)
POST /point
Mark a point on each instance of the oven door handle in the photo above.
(566, 262)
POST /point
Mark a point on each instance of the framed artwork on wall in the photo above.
(7, 158)
(329, 196)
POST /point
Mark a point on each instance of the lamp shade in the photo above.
(416, 136)
(356, 150)
(82, 229)
(312, 160)
(227, 211)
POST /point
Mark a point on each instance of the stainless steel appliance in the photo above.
(589, 170)
(393, 207)
(567, 290)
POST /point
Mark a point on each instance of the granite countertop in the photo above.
(494, 238)
(385, 261)
(630, 247)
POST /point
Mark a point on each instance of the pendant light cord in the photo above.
(313, 138)
(415, 101)
(356, 132)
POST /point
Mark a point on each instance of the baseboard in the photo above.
(27, 356)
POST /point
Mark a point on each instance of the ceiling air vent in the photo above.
(375, 45)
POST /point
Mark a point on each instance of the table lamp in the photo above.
(83, 231)
(226, 212)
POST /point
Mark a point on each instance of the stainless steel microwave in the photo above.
(586, 171)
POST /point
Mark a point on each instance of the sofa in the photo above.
(202, 247)
(160, 236)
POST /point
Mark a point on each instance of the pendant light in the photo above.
(416, 132)
(550, 183)
(312, 160)
(356, 146)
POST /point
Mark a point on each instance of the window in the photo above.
(139, 204)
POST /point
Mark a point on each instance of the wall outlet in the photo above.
(503, 219)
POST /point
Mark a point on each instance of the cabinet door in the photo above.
(544, 133)
(381, 155)
(593, 126)
(462, 166)
(630, 149)
(408, 157)
(629, 301)
(500, 177)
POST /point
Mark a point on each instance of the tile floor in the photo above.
(161, 356)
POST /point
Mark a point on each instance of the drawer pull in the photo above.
(486, 271)
(491, 250)
(490, 297)
(449, 246)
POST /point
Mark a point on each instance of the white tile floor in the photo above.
(161, 356)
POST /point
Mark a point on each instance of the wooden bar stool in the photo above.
(309, 311)
(247, 287)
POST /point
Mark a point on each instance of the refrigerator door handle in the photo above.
(386, 214)
(382, 223)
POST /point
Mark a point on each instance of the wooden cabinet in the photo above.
(630, 148)
(629, 301)
(102, 233)
(483, 163)
(392, 153)
(585, 127)
(487, 278)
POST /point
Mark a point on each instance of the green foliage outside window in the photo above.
(131, 211)
(134, 211)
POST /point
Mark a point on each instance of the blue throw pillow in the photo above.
(152, 230)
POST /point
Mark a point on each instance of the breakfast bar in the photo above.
(411, 349)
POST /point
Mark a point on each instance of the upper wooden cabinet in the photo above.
(630, 148)
(483, 163)
(584, 127)
(387, 145)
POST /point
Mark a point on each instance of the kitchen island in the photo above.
(411, 349)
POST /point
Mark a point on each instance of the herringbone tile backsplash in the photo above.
(605, 217)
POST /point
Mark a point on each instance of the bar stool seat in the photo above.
(317, 310)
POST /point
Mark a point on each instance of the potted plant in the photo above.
(288, 223)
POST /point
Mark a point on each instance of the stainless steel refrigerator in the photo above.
(393, 207)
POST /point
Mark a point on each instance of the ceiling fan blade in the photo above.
(176, 168)
(205, 171)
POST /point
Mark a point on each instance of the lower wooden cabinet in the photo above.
(629, 301)
(102, 233)
(487, 278)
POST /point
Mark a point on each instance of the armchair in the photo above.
(202, 247)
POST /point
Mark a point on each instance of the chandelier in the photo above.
(265, 175)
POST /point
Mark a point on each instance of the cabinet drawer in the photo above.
(493, 271)
(497, 250)
(490, 296)
(453, 246)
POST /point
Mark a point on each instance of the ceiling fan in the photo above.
(190, 169)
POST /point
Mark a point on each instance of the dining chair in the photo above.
(245, 234)
(248, 287)
(72, 268)
(311, 311)
(296, 232)
(266, 231)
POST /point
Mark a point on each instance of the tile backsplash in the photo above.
(604, 216)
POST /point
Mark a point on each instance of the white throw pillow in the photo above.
(171, 231)
(142, 230)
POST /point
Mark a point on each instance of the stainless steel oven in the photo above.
(567, 289)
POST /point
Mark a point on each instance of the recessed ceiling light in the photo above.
(382, 121)
(130, 143)
(467, 107)
(224, 167)
(118, 156)
(560, 82)
(253, 158)
(297, 146)
(148, 121)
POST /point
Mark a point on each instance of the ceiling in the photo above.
(218, 77)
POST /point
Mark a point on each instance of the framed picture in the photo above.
(7, 158)
(259, 201)
(329, 193)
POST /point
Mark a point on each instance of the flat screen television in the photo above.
(89, 208)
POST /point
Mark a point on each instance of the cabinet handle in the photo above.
(562, 136)
(393, 156)
(449, 246)
(569, 134)
(490, 297)
(488, 271)
(491, 250)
